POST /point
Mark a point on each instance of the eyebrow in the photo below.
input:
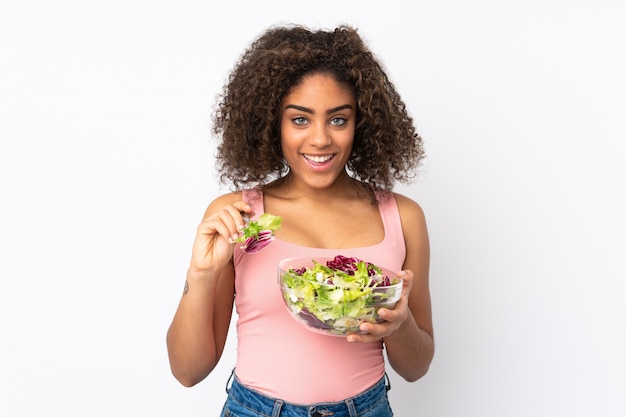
(307, 110)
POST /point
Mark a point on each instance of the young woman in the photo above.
(312, 130)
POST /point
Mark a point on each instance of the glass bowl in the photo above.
(329, 302)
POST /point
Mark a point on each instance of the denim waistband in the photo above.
(350, 407)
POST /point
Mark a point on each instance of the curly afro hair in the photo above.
(247, 117)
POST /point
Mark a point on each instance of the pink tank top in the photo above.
(278, 356)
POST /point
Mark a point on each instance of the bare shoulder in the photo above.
(411, 212)
(221, 201)
(417, 244)
(414, 228)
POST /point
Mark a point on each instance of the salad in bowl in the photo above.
(335, 295)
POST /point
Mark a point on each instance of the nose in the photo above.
(320, 136)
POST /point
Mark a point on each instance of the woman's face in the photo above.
(317, 129)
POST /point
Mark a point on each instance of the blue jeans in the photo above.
(246, 402)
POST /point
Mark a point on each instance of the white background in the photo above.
(105, 170)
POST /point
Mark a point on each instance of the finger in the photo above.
(407, 278)
(224, 222)
(240, 212)
(362, 338)
(245, 211)
(231, 217)
(389, 315)
(384, 328)
(210, 227)
(242, 206)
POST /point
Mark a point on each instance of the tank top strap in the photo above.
(390, 215)
(254, 197)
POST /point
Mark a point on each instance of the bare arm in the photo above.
(408, 331)
(197, 335)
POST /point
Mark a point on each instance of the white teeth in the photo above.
(319, 159)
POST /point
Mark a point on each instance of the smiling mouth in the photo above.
(318, 158)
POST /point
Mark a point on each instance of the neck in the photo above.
(343, 187)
